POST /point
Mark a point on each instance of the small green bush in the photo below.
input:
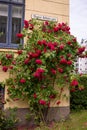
(8, 122)
(78, 99)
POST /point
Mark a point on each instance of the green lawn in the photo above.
(77, 121)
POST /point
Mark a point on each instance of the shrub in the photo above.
(8, 122)
(47, 59)
(78, 100)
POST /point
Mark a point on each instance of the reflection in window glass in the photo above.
(16, 23)
(2, 89)
(3, 22)
(20, 1)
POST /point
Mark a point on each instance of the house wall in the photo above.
(51, 8)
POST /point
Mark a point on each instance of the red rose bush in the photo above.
(46, 59)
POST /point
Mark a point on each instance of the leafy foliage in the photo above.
(45, 62)
(7, 122)
(79, 97)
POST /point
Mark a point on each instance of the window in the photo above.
(2, 89)
(11, 22)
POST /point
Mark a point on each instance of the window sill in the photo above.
(8, 50)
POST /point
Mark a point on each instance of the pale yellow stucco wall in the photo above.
(19, 104)
(51, 8)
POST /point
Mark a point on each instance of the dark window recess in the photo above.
(3, 27)
(16, 28)
(2, 96)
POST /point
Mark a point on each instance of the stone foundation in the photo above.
(58, 113)
(54, 114)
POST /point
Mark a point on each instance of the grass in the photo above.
(77, 121)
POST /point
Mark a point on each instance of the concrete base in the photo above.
(58, 113)
(53, 114)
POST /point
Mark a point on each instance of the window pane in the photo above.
(3, 22)
(19, 1)
(1, 96)
(16, 23)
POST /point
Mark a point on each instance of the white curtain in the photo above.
(3, 10)
(20, 1)
(16, 12)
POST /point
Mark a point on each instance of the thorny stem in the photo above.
(42, 116)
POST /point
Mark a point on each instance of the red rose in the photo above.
(74, 40)
(69, 55)
(40, 70)
(9, 56)
(81, 49)
(42, 102)
(46, 23)
(52, 96)
(69, 43)
(62, 57)
(51, 46)
(20, 35)
(53, 71)
(38, 61)
(48, 104)
(74, 82)
(55, 44)
(69, 62)
(15, 99)
(45, 50)
(44, 28)
(33, 55)
(14, 62)
(5, 68)
(56, 29)
(39, 42)
(36, 74)
(44, 42)
(72, 90)
(58, 102)
(61, 47)
(60, 70)
(22, 80)
(26, 24)
(34, 95)
(60, 26)
(38, 52)
(19, 52)
(0, 62)
(26, 61)
(11, 67)
(63, 61)
(31, 26)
